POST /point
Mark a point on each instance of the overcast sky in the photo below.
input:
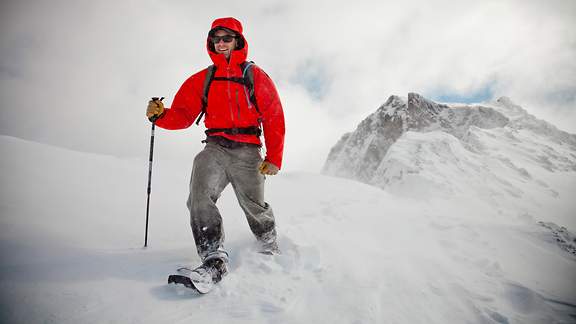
(78, 74)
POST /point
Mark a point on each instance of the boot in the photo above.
(216, 267)
(268, 243)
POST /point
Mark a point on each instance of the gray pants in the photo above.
(214, 168)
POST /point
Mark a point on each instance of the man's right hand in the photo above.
(155, 108)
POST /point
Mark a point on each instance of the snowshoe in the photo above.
(203, 278)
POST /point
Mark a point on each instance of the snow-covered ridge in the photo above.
(521, 119)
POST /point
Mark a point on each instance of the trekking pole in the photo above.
(153, 120)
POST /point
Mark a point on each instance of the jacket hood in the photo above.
(239, 55)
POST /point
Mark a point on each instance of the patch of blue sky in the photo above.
(481, 95)
(312, 76)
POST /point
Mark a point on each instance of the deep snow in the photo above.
(71, 233)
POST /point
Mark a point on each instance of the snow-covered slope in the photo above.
(71, 231)
(495, 151)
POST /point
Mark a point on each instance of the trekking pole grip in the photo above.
(154, 118)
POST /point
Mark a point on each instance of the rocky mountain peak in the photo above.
(357, 154)
(414, 143)
(417, 103)
(394, 101)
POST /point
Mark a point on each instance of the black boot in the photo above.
(216, 267)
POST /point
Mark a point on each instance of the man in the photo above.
(232, 151)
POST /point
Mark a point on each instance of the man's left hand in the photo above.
(268, 168)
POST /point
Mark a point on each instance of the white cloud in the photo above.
(78, 73)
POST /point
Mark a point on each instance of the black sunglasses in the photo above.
(225, 38)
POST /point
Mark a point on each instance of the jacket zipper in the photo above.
(229, 97)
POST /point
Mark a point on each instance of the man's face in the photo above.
(220, 44)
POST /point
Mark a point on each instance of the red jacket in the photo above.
(229, 105)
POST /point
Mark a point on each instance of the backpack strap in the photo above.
(248, 76)
(207, 81)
